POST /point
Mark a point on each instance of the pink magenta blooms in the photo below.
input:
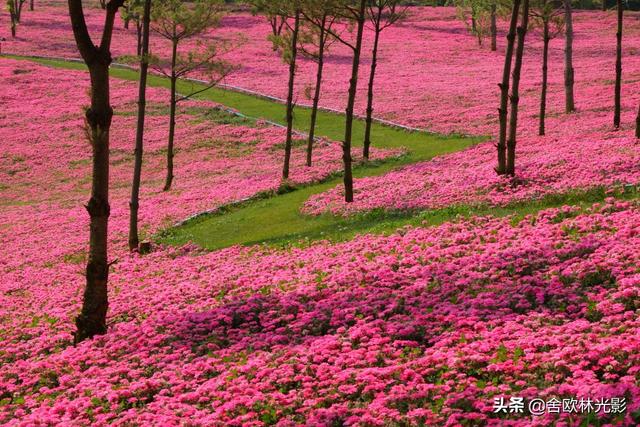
(448, 84)
(422, 327)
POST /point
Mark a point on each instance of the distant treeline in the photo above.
(580, 4)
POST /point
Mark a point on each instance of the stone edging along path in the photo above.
(232, 88)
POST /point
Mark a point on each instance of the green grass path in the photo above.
(277, 219)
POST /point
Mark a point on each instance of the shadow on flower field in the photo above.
(422, 327)
(425, 326)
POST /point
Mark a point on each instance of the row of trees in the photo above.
(299, 27)
(553, 17)
(310, 28)
(175, 21)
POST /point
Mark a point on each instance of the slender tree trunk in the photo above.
(31, 5)
(127, 16)
(316, 95)
(568, 58)
(545, 68)
(19, 5)
(515, 91)
(142, 102)
(604, 5)
(139, 29)
(92, 318)
(292, 76)
(13, 26)
(172, 117)
(372, 74)
(504, 90)
(494, 29)
(618, 88)
(353, 86)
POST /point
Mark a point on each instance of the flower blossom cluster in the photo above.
(427, 326)
(424, 327)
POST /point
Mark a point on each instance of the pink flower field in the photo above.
(411, 325)
(580, 150)
(228, 162)
(425, 327)
(448, 85)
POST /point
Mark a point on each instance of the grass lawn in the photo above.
(276, 219)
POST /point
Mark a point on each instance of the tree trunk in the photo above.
(353, 86)
(638, 124)
(604, 5)
(494, 29)
(292, 76)
(127, 16)
(142, 95)
(515, 91)
(372, 74)
(545, 68)
(92, 318)
(568, 58)
(316, 95)
(504, 90)
(19, 5)
(31, 5)
(11, 5)
(139, 30)
(172, 117)
(618, 88)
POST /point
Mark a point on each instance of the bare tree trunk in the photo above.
(353, 86)
(13, 16)
(504, 90)
(31, 5)
(474, 25)
(618, 88)
(568, 58)
(139, 35)
(292, 76)
(172, 118)
(15, 13)
(127, 16)
(276, 27)
(19, 5)
(515, 91)
(545, 68)
(494, 29)
(142, 102)
(92, 318)
(316, 95)
(604, 5)
(372, 74)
